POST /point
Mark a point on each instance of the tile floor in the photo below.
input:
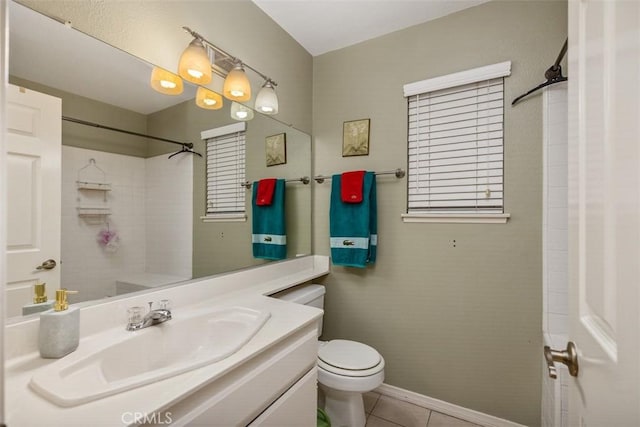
(384, 411)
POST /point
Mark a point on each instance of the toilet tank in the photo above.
(312, 295)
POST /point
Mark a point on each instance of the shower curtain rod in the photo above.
(128, 132)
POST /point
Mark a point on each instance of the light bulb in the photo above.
(166, 82)
(195, 73)
(236, 85)
(267, 100)
(208, 99)
(241, 112)
(194, 65)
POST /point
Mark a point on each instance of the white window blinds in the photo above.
(225, 173)
(455, 143)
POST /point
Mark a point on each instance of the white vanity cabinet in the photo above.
(269, 381)
(291, 409)
(277, 387)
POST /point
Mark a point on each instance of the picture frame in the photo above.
(276, 149)
(355, 138)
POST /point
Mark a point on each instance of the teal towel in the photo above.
(269, 233)
(353, 227)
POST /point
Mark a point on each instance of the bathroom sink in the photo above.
(137, 358)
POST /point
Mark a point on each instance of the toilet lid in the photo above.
(349, 355)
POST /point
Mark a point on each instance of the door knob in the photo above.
(569, 357)
(47, 265)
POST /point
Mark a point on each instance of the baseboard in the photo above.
(445, 407)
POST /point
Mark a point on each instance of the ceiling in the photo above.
(321, 26)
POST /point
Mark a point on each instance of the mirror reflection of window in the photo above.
(225, 174)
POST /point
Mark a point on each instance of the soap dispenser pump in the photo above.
(40, 302)
(59, 332)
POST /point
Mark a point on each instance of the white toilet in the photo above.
(346, 369)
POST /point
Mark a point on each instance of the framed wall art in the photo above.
(276, 149)
(355, 138)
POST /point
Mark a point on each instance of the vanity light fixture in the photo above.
(208, 99)
(166, 82)
(236, 84)
(194, 65)
(241, 112)
(267, 100)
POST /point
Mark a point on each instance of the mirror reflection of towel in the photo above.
(266, 188)
(269, 237)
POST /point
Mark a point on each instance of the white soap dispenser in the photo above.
(59, 332)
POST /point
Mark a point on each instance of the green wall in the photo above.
(460, 323)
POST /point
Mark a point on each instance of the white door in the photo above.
(34, 137)
(604, 211)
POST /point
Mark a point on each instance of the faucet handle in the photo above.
(135, 315)
(165, 304)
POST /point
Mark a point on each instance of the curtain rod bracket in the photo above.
(553, 74)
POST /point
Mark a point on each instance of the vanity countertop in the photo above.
(24, 407)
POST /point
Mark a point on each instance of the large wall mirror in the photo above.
(144, 229)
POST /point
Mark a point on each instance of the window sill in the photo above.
(452, 218)
(224, 218)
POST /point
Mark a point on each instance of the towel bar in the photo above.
(399, 173)
(305, 180)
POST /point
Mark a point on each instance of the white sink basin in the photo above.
(148, 355)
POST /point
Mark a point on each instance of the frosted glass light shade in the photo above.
(236, 85)
(166, 82)
(208, 99)
(194, 64)
(241, 112)
(267, 100)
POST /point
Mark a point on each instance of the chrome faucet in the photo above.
(153, 317)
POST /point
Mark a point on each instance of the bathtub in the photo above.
(141, 281)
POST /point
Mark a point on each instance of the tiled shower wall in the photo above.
(169, 204)
(150, 204)
(555, 249)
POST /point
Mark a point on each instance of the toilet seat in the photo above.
(350, 359)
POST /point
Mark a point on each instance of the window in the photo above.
(225, 172)
(455, 143)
